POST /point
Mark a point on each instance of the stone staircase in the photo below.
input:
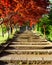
(27, 49)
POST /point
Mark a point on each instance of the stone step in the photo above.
(30, 63)
(35, 52)
(30, 43)
(29, 47)
(27, 35)
(15, 57)
(30, 40)
(26, 62)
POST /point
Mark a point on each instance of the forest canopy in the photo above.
(23, 10)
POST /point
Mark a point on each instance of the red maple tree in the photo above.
(23, 10)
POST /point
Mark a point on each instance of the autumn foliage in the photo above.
(23, 10)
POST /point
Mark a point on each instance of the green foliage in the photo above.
(4, 28)
(5, 38)
(47, 21)
(44, 20)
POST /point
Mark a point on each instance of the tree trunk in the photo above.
(2, 31)
(11, 30)
(44, 31)
(38, 27)
(15, 27)
(8, 32)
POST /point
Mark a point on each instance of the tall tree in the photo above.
(29, 10)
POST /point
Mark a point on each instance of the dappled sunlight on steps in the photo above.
(27, 48)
